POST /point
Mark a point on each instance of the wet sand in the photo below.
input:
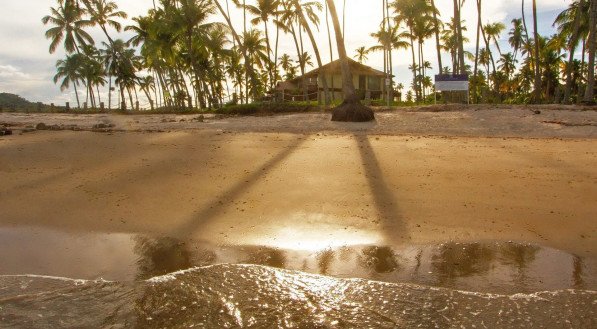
(236, 182)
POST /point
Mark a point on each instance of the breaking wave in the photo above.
(252, 296)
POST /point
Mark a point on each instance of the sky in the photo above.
(27, 68)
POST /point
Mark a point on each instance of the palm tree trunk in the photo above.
(327, 23)
(537, 84)
(571, 48)
(322, 78)
(148, 97)
(344, 18)
(351, 109)
(590, 89)
(122, 98)
(476, 98)
(109, 91)
(244, 55)
(103, 27)
(486, 40)
(77, 95)
(437, 43)
(269, 54)
(99, 97)
(414, 67)
(391, 64)
(128, 90)
(460, 39)
(276, 55)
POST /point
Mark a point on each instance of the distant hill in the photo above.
(10, 101)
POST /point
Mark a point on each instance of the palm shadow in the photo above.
(225, 200)
(390, 220)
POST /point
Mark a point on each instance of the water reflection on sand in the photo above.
(502, 267)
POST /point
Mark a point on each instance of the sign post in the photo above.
(452, 82)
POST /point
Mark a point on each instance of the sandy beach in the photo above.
(233, 181)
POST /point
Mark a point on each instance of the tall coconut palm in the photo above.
(68, 25)
(537, 84)
(69, 70)
(407, 12)
(589, 91)
(351, 108)
(104, 13)
(477, 42)
(460, 39)
(438, 25)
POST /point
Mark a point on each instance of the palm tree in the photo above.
(460, 40)
(69, 70)
(516, 35)
(589, 91)
(147, 84)
(507, 64)
(68, 26)
(361, 54)
(104, 13)
(438, 25)
(287, 66)
(477, 41)
(110, 55)
(351, 108)
(263, 10)
(407, 12)
(573, 24)
(493, 31)
(256, 47)
(537, 85)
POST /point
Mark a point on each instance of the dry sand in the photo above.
(301, 182)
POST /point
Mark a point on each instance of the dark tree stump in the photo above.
(352, 111)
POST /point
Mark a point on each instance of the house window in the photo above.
(362, 81)
(374, 83)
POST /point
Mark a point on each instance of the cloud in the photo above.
(12, 73)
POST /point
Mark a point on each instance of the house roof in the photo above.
(334, 67)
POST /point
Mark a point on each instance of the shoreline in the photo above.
(233, 182)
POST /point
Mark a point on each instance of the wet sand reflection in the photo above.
(487, 267)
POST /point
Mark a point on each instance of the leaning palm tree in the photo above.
(104, 13)
(351, 108)
(69, 26)
(69, 70)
